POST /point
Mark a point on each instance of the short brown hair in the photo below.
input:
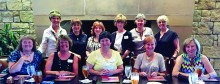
(95, 24)
(19, 47)
(64, 37)
(75, 21)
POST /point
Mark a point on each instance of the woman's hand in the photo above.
(143, 74)
(63, 73)
(26, 59)
(106, 72)
(154, 74)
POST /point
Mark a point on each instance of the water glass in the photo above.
(30, 70)
(128, 70)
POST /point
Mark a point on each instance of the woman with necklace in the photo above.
(192, 58)
(63, 62)
(25, 54)
(105, 61)
(149, 63)
(93, 41)
(139, 33)
(122, 39)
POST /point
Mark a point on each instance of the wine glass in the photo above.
(30, 70)
(128, 71)
(85, 71)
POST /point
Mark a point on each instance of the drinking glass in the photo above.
(38, 76)
(85, 71)
(128, 70)
(199, 70)
(134, 78)
(30, 70)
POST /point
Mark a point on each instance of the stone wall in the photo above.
(19, 14)
(206, 28)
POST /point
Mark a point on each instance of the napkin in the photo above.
(85, 81)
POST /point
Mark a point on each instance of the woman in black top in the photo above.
(122, 39)
(63, 62)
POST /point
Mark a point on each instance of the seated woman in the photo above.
(105, 61)
(149, 63)
(63, 62)
(191, 57)
(25, 54)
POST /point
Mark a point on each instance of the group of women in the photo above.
(105, 53)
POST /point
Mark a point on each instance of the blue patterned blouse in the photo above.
(15, 56)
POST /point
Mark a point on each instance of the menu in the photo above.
(110, 79)
(157, 78)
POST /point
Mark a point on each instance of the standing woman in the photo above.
(50, 35)
(79, 41)
(166, 38)
(122, 39)
(25, 54)
(139, 33)
(93, 41)
(167, 42)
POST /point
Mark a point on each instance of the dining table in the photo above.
(94, 79)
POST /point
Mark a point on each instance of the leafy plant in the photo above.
(8, 40)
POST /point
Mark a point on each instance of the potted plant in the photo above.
(8, 40)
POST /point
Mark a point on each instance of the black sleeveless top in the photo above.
(62, 65)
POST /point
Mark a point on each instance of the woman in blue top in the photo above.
(25, 54)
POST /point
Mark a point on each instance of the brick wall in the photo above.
(206, 28)
(19, 14)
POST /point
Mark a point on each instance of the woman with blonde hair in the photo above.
(122, 39)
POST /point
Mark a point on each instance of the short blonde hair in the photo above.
(163, 18)
(188, 40)
(120, 18)
(95, 24)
